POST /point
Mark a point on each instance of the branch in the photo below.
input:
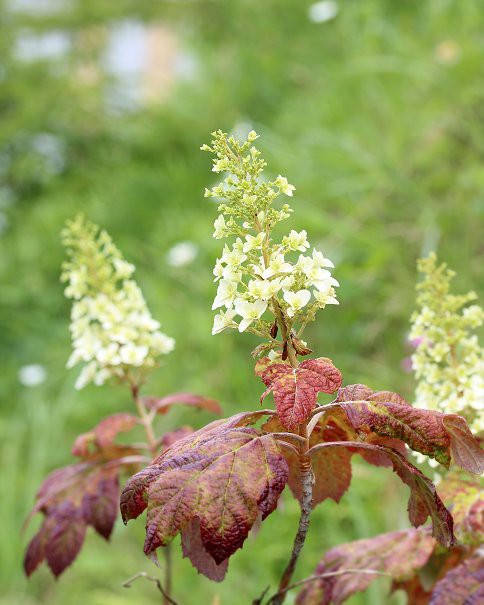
(323, 576)
(143, 574)
(307, 480)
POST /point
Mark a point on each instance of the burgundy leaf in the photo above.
(100, 505)
(354, 392)
(162, 405)
(463, 585)
(106, 431)
(424, 500)
(398, 554)
(296, 389)
(223, 476)
(427, 431)
(193, 548)
(66, 537)
(170, 438)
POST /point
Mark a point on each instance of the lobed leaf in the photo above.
(78, 495)
(163, 404)
(193, 549)
(398, 554)
(463, 585)
(223, 476)
(424, 501)
(440, 436)
(296, 389)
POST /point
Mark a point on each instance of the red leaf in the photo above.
(463, 585)
(85, 493)
(427, 431)
(162, 405)
(66, 538)
(193, 548)
(398, 554)
(100, 506)
(424, 500)
(296, 389)
(464, 448)
(463, 495)
(107, 429)
(354, 392)
(223, 476)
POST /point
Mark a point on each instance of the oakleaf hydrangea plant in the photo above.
(212, 485)
(115, 335)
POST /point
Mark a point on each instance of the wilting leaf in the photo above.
(354, 392)
(78, 495)
(398, 554)
(463, 496)
(164, 404)
(424, 500)
(463, 585)
(223, 476)
(296, 389)
(193, 548)
(427, 431)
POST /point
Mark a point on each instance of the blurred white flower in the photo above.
(182, 254)
(320, 12)
(32, 375)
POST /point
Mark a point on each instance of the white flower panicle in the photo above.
(112, 329)
(448, 361)
(256, 274)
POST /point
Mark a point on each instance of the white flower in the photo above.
(277, 264)
(220, 227)
(182, 254)
(287, 283)
(296, 241)
(123, 269)
(133, 355)
(109, 356)
(249, 312)
(325, 296)
(161, 343)
(220, 165)
(284, 186)
(234, 257)
(226, 294)
(254, 243)
(319, 259)
(32, 375)
(86, 376)
(218, 270)
(296, 300)
(223, 320)
(259, 289)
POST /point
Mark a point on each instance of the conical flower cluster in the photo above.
(448, 361)
(256, 273)
(112, 330)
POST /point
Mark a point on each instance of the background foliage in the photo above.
(374, 115)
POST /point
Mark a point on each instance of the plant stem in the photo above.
(307, 480)
(146, 420)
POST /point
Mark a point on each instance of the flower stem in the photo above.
(307, 480)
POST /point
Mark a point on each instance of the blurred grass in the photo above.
(375, 116)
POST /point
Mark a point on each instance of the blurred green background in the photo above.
(374, 110)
